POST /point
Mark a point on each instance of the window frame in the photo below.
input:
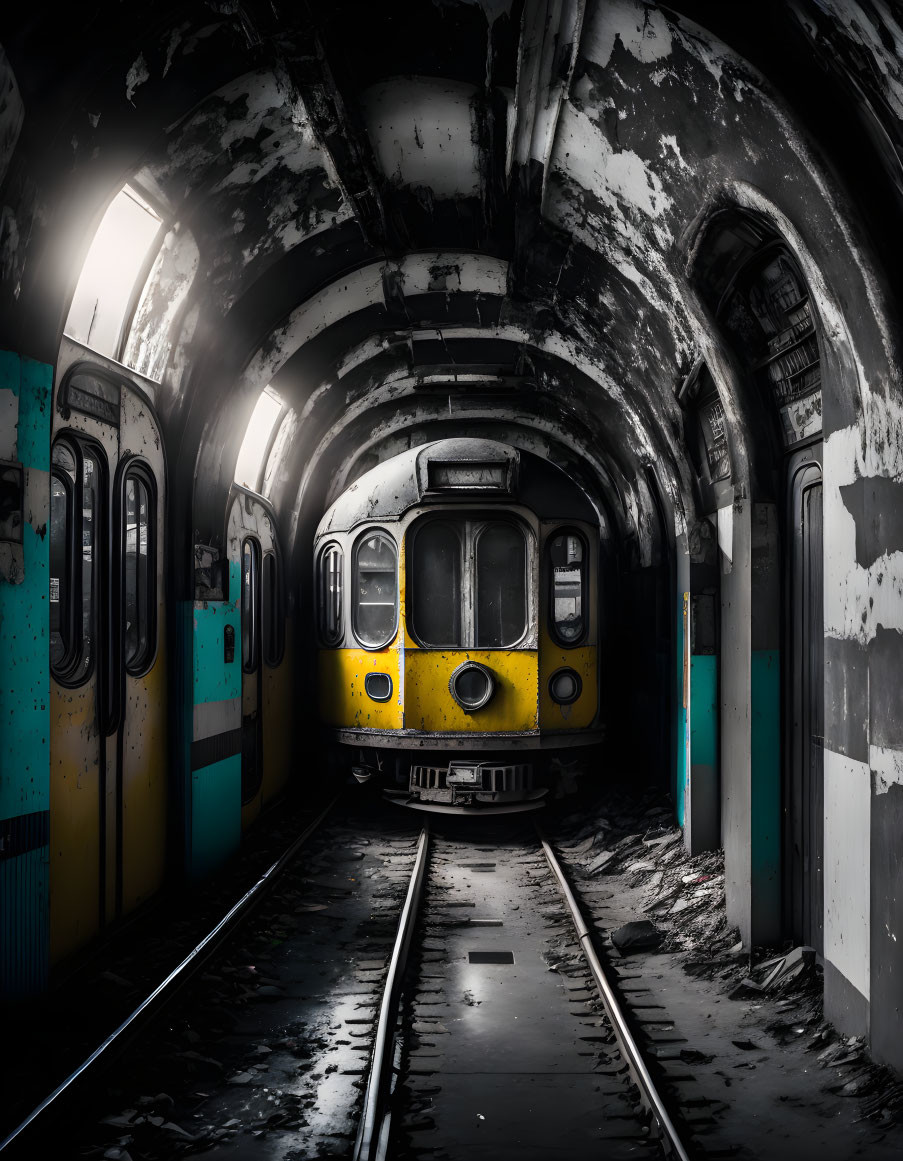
(477, 534)
(72, 672)
(461, 530)
(353, 594)
(251, 662)
(472, 525)
(331, 640)
(272, 610)
(67, 580)
(567, 530)
(135, 468)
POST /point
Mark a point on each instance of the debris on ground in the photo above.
(683, 898)
(640, 935)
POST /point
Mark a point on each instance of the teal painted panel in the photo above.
(35, 393)
(24, 924)
(214, 680)
(704, 709)
(25, 679)
(765, 772)
(215, 815)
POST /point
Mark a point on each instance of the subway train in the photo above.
(458, 626)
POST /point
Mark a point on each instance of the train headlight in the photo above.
(565, 686)
(471, 685)
(378, 686)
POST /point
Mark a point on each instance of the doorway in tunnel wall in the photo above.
(804, 794)
(754, 285)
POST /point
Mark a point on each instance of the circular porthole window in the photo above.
(565, 686)
(471, 685)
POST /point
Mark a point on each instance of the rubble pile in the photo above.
(683, 896)
(635, 843)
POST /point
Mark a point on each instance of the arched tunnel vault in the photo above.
(513, 219)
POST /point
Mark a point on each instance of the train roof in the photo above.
(451, 470)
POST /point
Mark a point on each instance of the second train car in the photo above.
(458, 625)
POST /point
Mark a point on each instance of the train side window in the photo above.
(567, 561)
(77, 492)
(139, 579)
(250, 604)
(62, 527)
(436, 584)
(501, 586)
(374, 607)
(330, 591)
(90, 549)
(272, 611)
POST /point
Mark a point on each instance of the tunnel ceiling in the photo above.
(412, 219)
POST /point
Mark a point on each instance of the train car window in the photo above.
(62, 520)
(272, 611)
(567, 559)
(501, 586)
(436, 584)
(374, 607)
(77, 491)
(250, 604)
(331, 561)
(139, 574)
(90, 548)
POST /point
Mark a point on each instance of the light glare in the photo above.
(111, 269)
(253, 447)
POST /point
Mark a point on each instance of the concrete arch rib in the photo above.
(401, 407)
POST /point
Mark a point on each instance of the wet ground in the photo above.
(505, 1057)
(506, 1048)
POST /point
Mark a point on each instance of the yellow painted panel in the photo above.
(74, 820)
(584, 661)
(343, 700)
(145, 769)
(430, 706)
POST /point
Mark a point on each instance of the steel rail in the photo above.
(373, 1133)
(166, 990)
(628, 1046)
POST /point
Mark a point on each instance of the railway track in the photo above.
(494, 1054)
(395, 994)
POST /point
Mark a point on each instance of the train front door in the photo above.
(804, 799)
(108, 740)
(253, 556)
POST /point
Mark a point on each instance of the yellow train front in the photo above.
(458, 625)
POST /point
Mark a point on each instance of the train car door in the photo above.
(805, 790)
(255, 559)
(108, 741)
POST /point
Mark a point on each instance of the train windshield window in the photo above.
(375, 603)
(436, 584)
(331, 594)
(250, 604)
(501, 586)
(272, 611)
(567, 557)
(138, 543)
